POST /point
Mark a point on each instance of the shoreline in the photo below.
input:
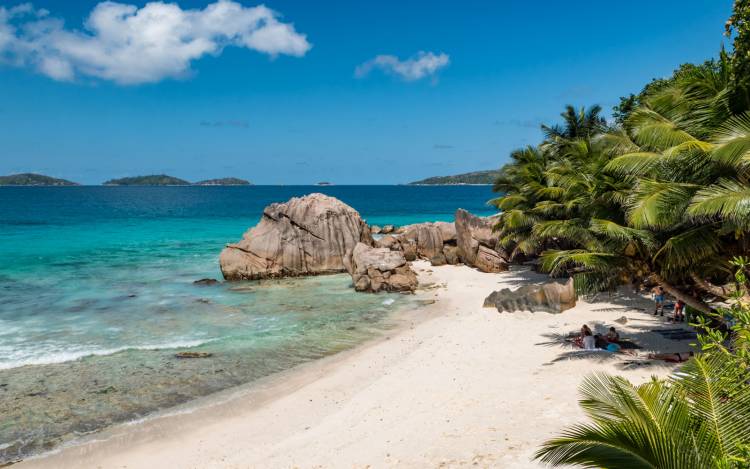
(434, 390)
(251, 394)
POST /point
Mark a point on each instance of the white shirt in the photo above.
(589, 342)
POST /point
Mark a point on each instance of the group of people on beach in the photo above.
(590, 341)
(611, 342)
(658, 294)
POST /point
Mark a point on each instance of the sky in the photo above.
(296, 92)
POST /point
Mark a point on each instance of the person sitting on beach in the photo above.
(589, 342)
(658, 294)
(679, 311)
(585, 330)
(600, 341)
(674, 357)
(612, 335)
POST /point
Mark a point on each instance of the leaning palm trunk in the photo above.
(680, 295)
(724, 292)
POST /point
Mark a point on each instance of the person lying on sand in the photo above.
(600, 341)
(674, 357)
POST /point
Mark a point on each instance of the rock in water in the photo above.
(552, 297)
(477, 244)
(308, 235)
(206, 281)
(380, 269)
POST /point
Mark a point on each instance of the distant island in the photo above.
(324, 183)
(32, 179)
(476, 177)
(152, 180)
(224, 182)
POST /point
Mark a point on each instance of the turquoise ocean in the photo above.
(97, 296)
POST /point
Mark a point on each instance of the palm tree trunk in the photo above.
(680, 295)
(724, 292)
(710, 288)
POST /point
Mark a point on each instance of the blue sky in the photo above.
(291, 109)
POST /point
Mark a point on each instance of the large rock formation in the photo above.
(380, 269)
(305, 236)
(552, 297)
(426, 237)
(477, 244)
(435, 242)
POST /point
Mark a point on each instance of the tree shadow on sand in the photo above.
(640, 339)
(523, 275)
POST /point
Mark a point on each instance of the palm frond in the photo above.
(728, 199)
(659, 205)
(571, 230)
(557, 262)
(654, 131)
(688, 250)
(640, 164)
(629, 428)
(719, 395)
(617, 232)
(509, 202)
(517, 219)
(733, 142)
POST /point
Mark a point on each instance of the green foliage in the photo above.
(666, 193)
(223, 182)
(622, 111)
(477, 177)
(153, 180)
(738, 26)
(31, 179)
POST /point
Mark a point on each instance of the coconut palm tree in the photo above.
(666, 197)
(691, 171)
(581, 123)
(699, 419)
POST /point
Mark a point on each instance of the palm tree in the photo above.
(691, 167)
(581, 123)
(700, 420)
(667, 197)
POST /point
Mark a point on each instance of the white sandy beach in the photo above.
(465, 386)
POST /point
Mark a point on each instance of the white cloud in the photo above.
(128, 45)
(422, 65)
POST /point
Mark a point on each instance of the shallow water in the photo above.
(97, 295)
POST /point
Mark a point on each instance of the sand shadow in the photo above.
(636, 344)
